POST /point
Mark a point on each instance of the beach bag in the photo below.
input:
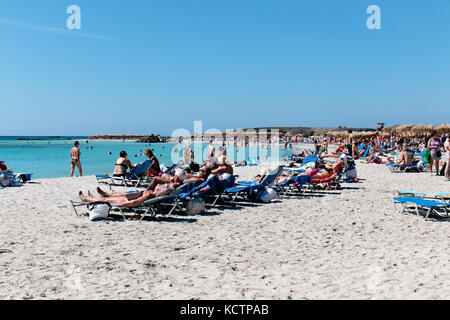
(267, 194)
(195, 206)
(351, 172)
(4, 181)
(427, 157)
(98, 210)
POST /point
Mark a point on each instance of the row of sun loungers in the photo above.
(215, 191)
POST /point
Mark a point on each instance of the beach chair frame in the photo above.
(132, 181)
(419, 204)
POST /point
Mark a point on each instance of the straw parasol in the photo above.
(404, 129)
(442, 128)
(420, 130)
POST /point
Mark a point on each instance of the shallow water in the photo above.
(49, 157)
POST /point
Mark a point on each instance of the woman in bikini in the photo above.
(75, 155)
(122, 164)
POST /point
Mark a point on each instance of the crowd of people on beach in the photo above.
(378, 149)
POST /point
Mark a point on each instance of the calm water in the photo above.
(49, 157)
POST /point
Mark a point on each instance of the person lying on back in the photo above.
(199, 178)
(128, 199)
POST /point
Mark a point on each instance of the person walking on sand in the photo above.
(75, 155)
(447, 149)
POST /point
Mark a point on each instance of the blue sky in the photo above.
(153, 66)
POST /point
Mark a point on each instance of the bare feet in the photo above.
(82, 196)
(101, 192)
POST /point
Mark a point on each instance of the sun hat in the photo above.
(222, 159)
(180, 173)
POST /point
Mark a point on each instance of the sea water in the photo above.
(49, 157)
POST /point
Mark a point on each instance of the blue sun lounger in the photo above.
(441, 196)
(134, 178)
(308, 159)
(366, 154)
(430, 206)
(293, 184)
(251, 190)
(213, 194)
(150, 207)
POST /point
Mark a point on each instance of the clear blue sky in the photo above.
(154, 66)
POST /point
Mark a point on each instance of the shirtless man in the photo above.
(75, 155)
(178, 178)
(202, 176)
(127, 200)
(224, 167)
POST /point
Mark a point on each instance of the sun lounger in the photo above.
(250, 191)
(15, 179)
(366, 153)
(311, 159)
(134, 178)
(430, 206)
(212, 195)
(332, 182)
(163, 205)
(293, 184)
(444, 197)
(399, 168)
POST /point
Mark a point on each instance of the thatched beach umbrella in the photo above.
(403, 130)
(420, 130)
(442, 128)
(389, 131)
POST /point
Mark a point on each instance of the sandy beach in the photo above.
(345, 244)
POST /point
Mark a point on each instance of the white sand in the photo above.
(347, 244)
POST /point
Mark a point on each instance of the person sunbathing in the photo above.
(203, 175)
(328, 171)
(122, 164)
(336, 154)
(373, 158)
(306, 153)
(224, 167)
(155, 169)
(285, 176)
(178, 179)
(406, 158)
(4, 168)
(127, 200)
(268, 171)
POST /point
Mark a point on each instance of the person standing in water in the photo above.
(75, 155)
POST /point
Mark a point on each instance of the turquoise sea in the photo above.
(49, 157)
